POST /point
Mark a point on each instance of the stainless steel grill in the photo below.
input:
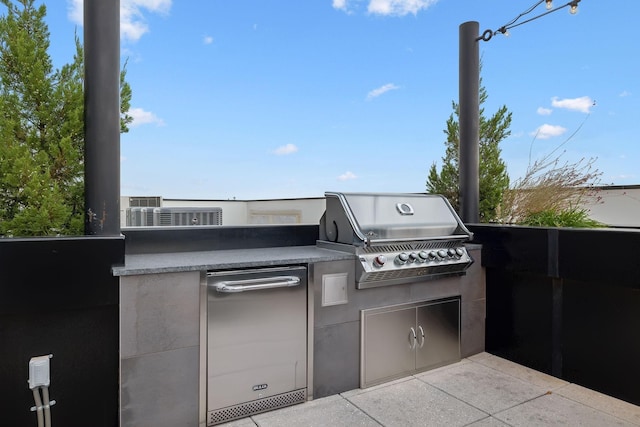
(396, 237)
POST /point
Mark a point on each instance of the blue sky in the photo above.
(258, 99)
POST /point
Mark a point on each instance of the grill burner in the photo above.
(397, 238)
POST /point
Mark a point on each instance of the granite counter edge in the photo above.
(141, 264)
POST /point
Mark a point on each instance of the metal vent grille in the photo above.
(137, 217)
(255, 407)
(412, 246)
(173, 217)
(139, 202)
(414, 272)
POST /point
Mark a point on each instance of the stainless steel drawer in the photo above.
(256, 341)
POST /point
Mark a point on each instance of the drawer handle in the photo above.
(232, 286)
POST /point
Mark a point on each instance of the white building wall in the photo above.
(616, 206)
(247, 212)
(290, 211)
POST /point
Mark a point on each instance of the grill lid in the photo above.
(370, 218)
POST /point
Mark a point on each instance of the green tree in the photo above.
(494, 180)
(41, 128)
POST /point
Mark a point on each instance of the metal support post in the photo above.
(469, 104)
(102, 117)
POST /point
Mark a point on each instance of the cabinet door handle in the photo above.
(421, 343)
(412, 338)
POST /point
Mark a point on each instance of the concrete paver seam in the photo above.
(480, 409)
(456, 398)
(489, 417)
(363, 411)
(586, 402)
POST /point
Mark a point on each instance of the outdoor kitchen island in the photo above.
(163, 307)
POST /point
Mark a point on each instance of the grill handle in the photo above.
(234, 286)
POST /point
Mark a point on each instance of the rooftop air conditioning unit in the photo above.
(175, 217)
(139, 217)
(145, 202)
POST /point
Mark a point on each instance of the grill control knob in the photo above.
(460, 252)
(413, 257)
(451, 252)
(432, 255)
(442, 253)
(423, 256)
(379, 261)
(402, 258)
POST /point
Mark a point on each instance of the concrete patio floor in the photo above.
(480, 391)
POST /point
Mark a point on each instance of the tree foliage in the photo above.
(493, 180)
(41, 128)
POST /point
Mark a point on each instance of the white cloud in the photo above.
(625, 93)
(132, 22)
(544, 111)
(207, 40)
(74, 11)
(582, 104)
(340, 4)
(385, 7)
(348, 175)
(398, 7)
(286, 149)
(142, 117)
(548, 131)
(382, 89)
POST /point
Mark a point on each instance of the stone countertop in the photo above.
(171, 262)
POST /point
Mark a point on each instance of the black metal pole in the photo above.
(469, 104)
(102, 117)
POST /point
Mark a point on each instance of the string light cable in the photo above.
(488, 34)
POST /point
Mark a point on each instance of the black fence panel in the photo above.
(565, 302)
(600, 344)
(519, 318)
(58, 296)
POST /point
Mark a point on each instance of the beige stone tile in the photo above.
(415, 403)
(602, 402)
(328, 411)
(522, 372)
(556, 410)
(482, 387)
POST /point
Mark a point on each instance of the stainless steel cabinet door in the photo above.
(389, 345)
(401, 340)
(438, 329)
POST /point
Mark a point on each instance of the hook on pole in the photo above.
(486, 36)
